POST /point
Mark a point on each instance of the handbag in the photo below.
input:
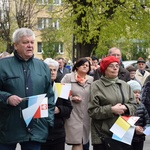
(111, 144)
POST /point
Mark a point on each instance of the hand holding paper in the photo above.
(123, 129)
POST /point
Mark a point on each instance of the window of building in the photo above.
(57, 2)
(48, 22)
(4, 4)
(43, 2)
(58, 47)
(43, 23)
(39, 47)
(55, 24)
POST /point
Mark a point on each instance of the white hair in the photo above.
(22, 32)
(52, 62)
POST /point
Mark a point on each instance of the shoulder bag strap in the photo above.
(123, 100)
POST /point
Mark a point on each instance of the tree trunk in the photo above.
(82, 50)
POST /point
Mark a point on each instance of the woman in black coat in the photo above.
(63, 107)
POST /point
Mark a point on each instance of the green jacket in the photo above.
(23, 78)
(104, 95)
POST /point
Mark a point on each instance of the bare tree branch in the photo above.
(22, 12)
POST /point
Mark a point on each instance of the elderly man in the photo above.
(141, 74)
(123, 73)
(62, 69)
(22, 76)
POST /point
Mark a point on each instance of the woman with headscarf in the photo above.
(110, 98)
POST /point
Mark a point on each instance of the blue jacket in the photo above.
(23, 78)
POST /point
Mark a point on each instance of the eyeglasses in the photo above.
(114, 66)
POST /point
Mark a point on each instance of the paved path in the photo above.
(146, 145)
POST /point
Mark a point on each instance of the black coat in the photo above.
(57, 133)
(60, 75)
(146, 96)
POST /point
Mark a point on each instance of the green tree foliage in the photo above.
(103, 23)
(49, 40)
(48, 50)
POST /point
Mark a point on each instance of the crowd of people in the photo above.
(101, 91)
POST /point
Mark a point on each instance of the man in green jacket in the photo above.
(22, 76)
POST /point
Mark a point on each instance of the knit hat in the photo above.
(140, 60)
(106, 61)
(134, 85)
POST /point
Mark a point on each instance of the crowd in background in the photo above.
(77, 126)
(132, 74)
(101, 91)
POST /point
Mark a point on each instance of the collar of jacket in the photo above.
(89, 78)
(20, 58)
(108, 82)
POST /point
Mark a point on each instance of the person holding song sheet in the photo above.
(23, 76)
(110, 97)
(63, 107)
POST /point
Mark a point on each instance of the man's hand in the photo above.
(14, 100)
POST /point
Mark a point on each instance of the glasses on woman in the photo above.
(114, 66)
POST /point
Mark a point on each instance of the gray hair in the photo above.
(111, 49)
(22, 32)
(52, 62)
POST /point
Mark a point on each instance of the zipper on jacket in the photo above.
(20, 112)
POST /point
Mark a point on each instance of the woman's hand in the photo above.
(118, 109)
(76, 99)
(57, 111)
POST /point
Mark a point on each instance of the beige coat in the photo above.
(78, 125)
(140, 77)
